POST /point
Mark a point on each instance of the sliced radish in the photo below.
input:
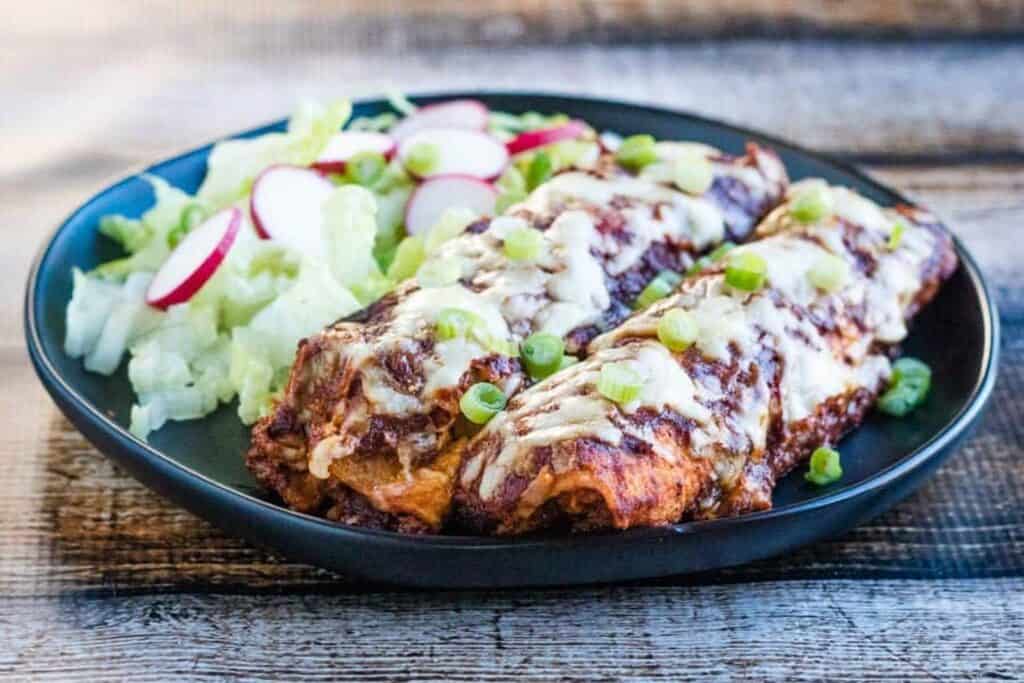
(346, 144)
(462, 152)
(434, 196)
(467, 114)
(194, 261)
(285, 206)
(546, 136)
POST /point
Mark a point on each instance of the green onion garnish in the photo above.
(746, 271)
(539, 170)
(636, 151)
(721, 250)
(677, 330)
(693, 174)
(698, 266)
(455, 322)
(811, 205)
(829, 273)
(619, 382)
(423, 158)
(895, 237)
(908, 387)
(717, 254)
(365, 168)
(481, 402)
(523, 244)
(408, 258)
(439, 272)
(658, 288)
(542, 354)
(825, 467)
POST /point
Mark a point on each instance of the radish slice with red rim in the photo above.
(286, 206)
(461, 152)
(194, 261)
(466, 114)
(440, 193)
(346, 144)
(545, 136)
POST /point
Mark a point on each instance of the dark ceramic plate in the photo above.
(199, 464)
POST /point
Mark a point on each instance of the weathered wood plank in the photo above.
(69, 521)
(840, 630)
(869, 99)
(438, 23)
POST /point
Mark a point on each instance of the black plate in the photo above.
(199, 464)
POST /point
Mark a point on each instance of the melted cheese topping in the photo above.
(734, 328)
(564, 289)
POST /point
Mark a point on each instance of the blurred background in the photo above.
(92, 90)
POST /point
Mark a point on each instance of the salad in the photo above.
(290, 231)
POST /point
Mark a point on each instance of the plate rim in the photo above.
(187, 477)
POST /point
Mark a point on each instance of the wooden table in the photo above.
(99, 578)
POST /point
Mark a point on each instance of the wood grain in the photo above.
(439, 23)
(100, 579)
(798, 631)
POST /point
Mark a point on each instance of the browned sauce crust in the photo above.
(325, 393)
(598, 485)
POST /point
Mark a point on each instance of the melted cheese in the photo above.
(564, 289)
(732, 327)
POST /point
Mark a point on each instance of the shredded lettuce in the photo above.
(264, 349)
(237, 336)
(234, 164)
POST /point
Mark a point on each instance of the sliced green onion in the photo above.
(619, 382)
(701, 264)
(481, 402)
(637, 151)
(677, 330)
(719, 252)
(658, 288)
(825, 467)
(693, 174)
(408, 258)
(193, 215)
(895, 237)
(829, 273)
(423, 158)
(704, 262)
(542, 354)
(539, 170)
(908, 387)
(568, 361)
(366, 168)
(746, 271)
(439, 272)
(523, 244)
(811, 205)
(455, 322)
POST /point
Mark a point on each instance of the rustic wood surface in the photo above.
(100, 579)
